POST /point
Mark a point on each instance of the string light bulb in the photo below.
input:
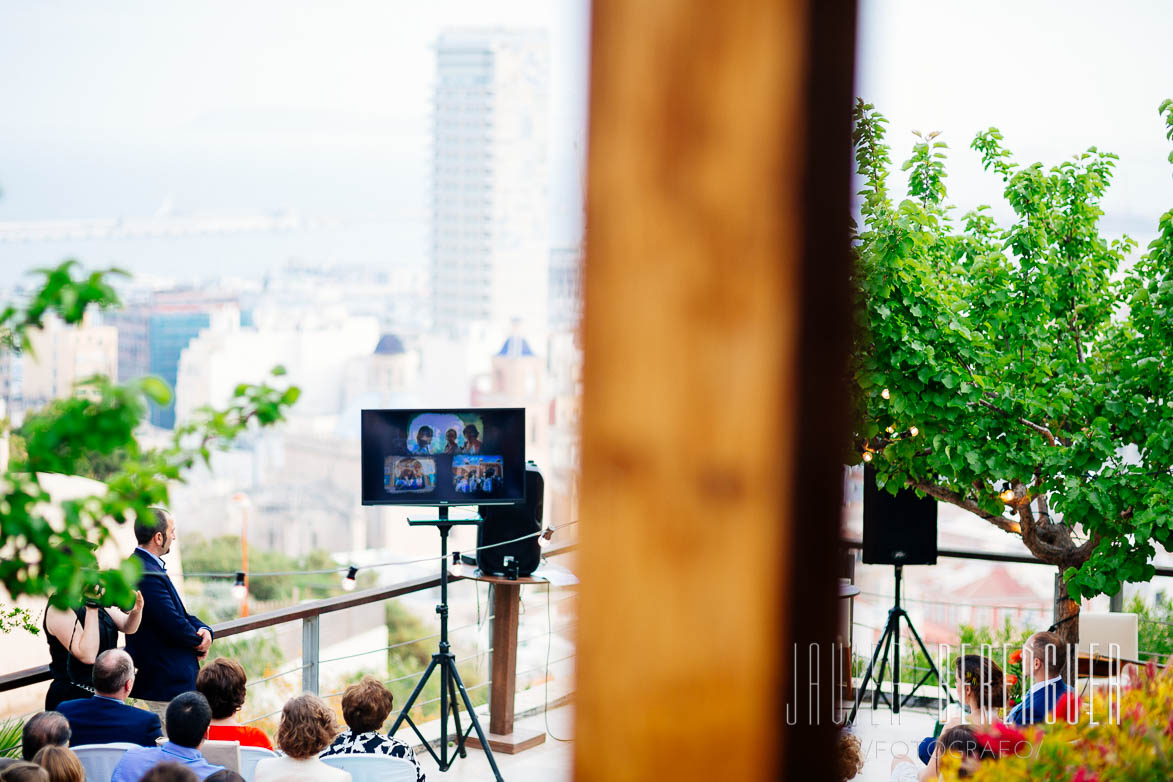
(885, 394)
(867, 456)
(544, 538)
(350, 580)
(912, 430)
(1007, 496)
(891, 429)
(239, 589)
(457, 568)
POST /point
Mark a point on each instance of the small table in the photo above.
(503, 736)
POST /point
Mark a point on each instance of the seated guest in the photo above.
(225, 775)
(23, 771)
(172, 772)
(222, 682)
(188, 716)
(48, 727)
(106, 717)
(979, 688)
(848, 757)
(61, 764)
(957, 739)
(365, 707)
(1044, 656)
(307, 727)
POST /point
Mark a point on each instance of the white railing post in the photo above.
(309, 654)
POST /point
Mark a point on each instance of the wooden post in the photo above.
(506, 600)
(692, 305)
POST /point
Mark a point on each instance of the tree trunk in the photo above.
(1066, 612)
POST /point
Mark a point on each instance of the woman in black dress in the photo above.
(76, 638)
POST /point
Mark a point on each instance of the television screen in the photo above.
(473, 456)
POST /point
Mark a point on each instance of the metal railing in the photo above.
(309, 614)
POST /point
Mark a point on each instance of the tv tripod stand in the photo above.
(450, 682)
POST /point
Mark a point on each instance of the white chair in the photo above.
(249, 757)
(222, 753)
(373, 768)
(99, 760)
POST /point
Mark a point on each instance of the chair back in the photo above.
(373, 768)
(249, 757)
(222, 753)
(99, 760)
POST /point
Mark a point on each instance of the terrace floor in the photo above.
(884, 735)
(551, 761)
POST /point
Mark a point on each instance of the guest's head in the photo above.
(224, 775)
(114, 674)
(170, 772)
(222, 682)
(61, 763)
(1044, 656)
(962, 740)
(848, 756)
(365, 705)
(24, 771)
(188, 717)
(48, 727)
(156, 532)
(307, 727)
(979, 682)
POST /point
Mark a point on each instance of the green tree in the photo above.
(98, 425)
(1018, 371)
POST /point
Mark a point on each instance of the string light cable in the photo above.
(546, 683)
(351, 570)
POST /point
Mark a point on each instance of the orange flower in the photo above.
(1011, 680)
(1016, 657)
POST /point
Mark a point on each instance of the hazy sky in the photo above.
(323, 108)
(114, 109)
(1054, 77)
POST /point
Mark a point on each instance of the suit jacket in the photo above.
(1036, 707)
(164, 646)
(100, 720)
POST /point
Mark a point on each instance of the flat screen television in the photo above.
(465, 456)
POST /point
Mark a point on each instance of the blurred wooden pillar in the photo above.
(694, 336)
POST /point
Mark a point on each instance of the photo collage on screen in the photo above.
(453, 443)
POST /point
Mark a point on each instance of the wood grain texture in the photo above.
(691, 312)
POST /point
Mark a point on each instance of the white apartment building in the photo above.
(61, 355)
(490, 188)
(315, 356)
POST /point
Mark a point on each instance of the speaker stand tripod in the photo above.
(890, 643)
(445, 661)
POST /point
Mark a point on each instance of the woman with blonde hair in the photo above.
(307, 727)
(60, 763)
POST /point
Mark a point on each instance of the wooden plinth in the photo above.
(519, 740)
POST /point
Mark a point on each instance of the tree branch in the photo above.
(953, 498)
(1029, 424)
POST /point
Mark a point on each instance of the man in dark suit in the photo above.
(106, 717)
(1044, 656)
(170, 641)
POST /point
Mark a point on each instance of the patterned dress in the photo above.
(372, 743)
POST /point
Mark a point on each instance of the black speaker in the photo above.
(898, 529)
(506, 522)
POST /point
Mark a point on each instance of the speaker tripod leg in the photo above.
(933, 669)
(863, 685)
(890, 631)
